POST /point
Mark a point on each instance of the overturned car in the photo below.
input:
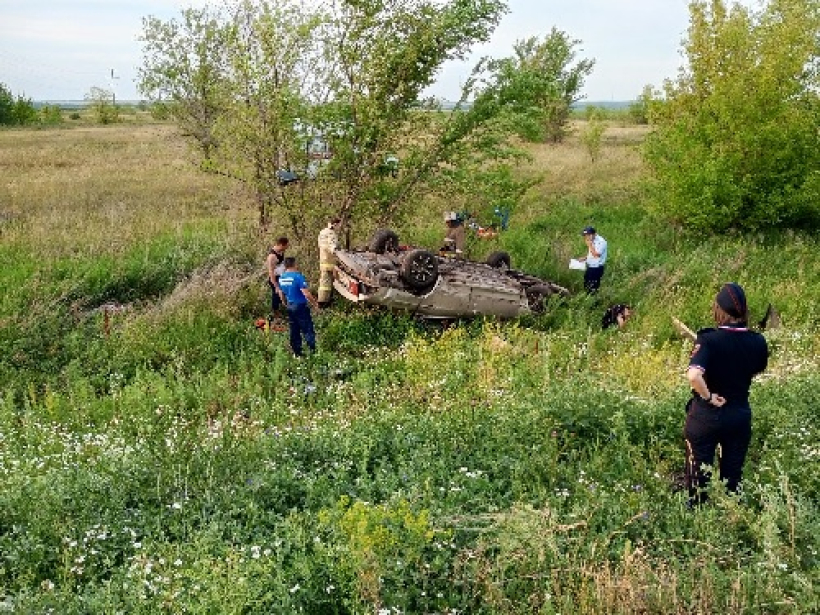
(437, 285)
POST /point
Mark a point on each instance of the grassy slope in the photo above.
(176, 459)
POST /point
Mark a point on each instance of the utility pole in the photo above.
(113, 93)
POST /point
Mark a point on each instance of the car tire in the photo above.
(499, 260)
(384, 240)
(537, 297)
(419, 270)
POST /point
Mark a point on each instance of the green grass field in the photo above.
(158, 454)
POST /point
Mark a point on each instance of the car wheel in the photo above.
(419, 269)
(384, 240)
(499, 260)
(537, 297)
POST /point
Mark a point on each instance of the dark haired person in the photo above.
(616, 315)
(275, 265)
(721, 367)
(595, 259)
(298, 297)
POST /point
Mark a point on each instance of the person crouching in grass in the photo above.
(299, 299)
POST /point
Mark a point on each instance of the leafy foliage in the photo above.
(17, 111)
(6, 105)
(102, 105)
(50, 115)
(593, 134)
(328, 98)
(183, 61)
(642, 110)
(540, 83)
(736, 144)
(170, 458)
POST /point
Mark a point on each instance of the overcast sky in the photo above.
(59, 49)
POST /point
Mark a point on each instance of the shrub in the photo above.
(592, 135)
(102, 105)
(641, 111)
(15, 111)
(51, 115)
(736, 143)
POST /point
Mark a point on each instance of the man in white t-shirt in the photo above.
(595, 259)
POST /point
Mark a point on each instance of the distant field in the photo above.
(159, 454)
(80, 104)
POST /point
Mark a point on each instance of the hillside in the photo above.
(161, 454)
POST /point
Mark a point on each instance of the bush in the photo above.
(641, 111)
(102, 105)
(593, 134)
(15, 111)
(736, 142)
(173, 459)
(51, 115)
(161, 111)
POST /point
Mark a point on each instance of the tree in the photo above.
(642, 109)
(540, 83)
(6, 105)
(24, 112)
(101, 102)
(50, 115)
(736, 141)
(384, 54)
(330, 97)
(184, 66)
(593, 134)
(15, 110)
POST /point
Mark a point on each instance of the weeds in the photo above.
(166, 456)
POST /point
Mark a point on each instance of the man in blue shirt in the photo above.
(595, 259)
(298, 297)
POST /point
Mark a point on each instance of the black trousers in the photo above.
(275, 301)
(706, 427)
(592, 278)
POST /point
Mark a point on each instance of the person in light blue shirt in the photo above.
(595, 259)
(299, 299)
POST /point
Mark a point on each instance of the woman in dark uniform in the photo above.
(723, 363)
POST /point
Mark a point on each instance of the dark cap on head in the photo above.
(732, 300)
(590, 230)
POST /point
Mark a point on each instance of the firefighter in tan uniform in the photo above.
(328, 242)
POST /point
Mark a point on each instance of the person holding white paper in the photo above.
(595, 259)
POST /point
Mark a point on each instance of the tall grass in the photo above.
(160, 454)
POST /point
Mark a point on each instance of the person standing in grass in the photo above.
(595, 259)
(275, 266)
(721, 367)
(328, 244)
(299, 298)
